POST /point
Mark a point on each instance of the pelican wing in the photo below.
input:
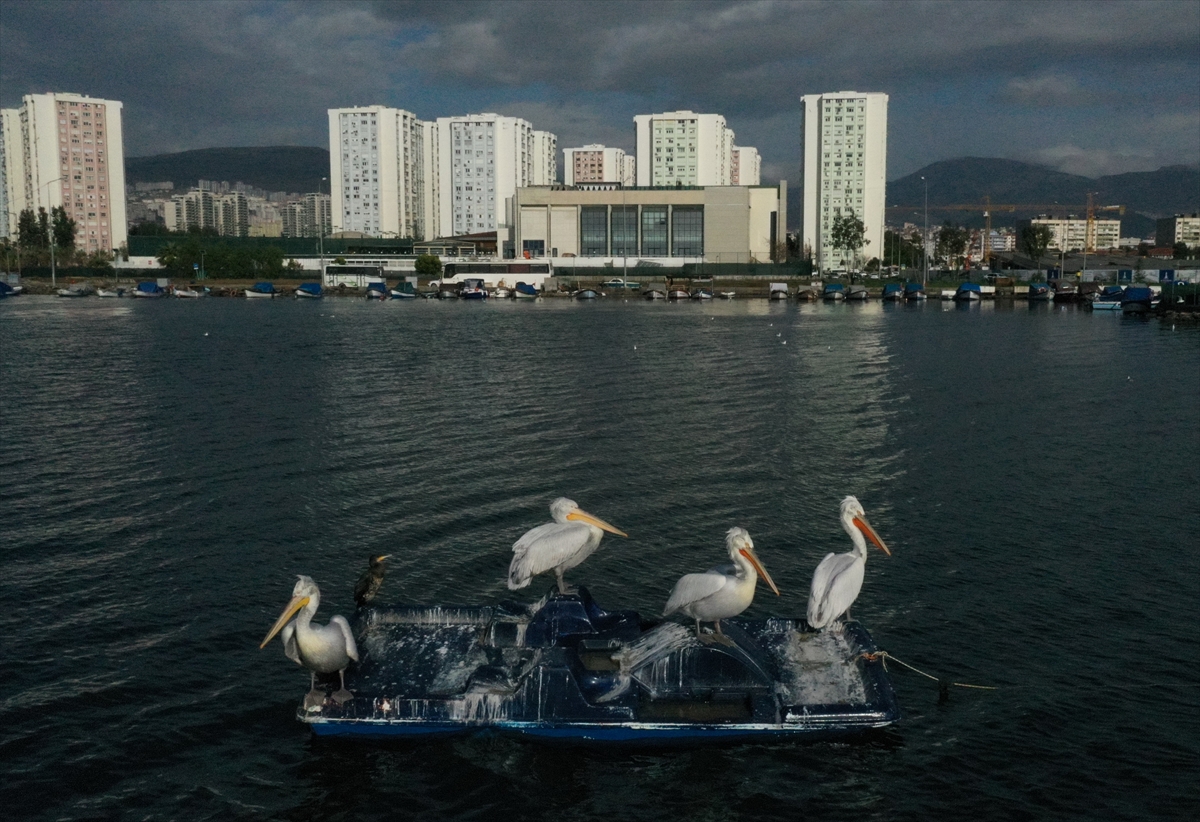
(693, 588)
(544, 548)
(351, 646)
(288, 635)
(835, 586)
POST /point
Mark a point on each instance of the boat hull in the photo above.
(1104, 305)
(258, 295)
(566, 669)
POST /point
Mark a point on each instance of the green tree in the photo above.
(848, 234)
(63, 227)
(29, 232)
(951, 243)
(1180, 250)
(1035, 239)
(429, 266)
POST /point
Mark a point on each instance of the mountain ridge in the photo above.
(296, 169)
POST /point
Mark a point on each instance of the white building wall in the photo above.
(682, 147)
(431, 173)
(749, 166)
(629, 171)
(843, 168)
(13, 168)
(545, 159)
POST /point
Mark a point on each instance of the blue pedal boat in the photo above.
(564, 668)
(914, 291)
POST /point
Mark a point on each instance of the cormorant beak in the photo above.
(295, 605)
(864, 526)
(583, 516)
(749, 554)
(382, 558)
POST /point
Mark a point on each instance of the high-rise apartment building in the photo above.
(843, 168)
(545, 159)
(683, 148)
(317, 215)
(1075, 234)
(1178, 229)
(598, 164)
(482, 160)
(376, 171)
(65, 151)
(231, 214)
(431, 175)
(747, 167)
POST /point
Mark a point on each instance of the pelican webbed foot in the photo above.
(314, 700)
(341, 695)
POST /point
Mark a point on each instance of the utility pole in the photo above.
(925, 239)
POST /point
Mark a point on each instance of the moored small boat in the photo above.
(377, 291)
(7, 290)
(914, 291)
(967, 292)
(473, 289)
(777, 291)
(1064, 291)
(1040, 292)
(404, 291)
(525, 291)
(586, 294)
(893, 292)
(501, 292)
(308, 291)
(263, 290)
(188, 293)
(701, 294)
(76, 290)
(858, 293)
(1137, 300)
(677, 294)
(149, 289)
(834, 292)
(1109, 299)
(110, 292)
(654, 294)
(727, 295)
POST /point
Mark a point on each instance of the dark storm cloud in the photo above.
(1093, 87)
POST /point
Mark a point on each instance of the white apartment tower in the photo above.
(683, 148)
(377, 171)
(843, 168)
(482, 160)
(65, 151)
(598, 164)
(747, 167)
(545, 159)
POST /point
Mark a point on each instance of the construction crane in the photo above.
(987, 207)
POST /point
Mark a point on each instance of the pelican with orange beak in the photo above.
(557, 546)
(839, 578)
(724, 591)
(323, 649)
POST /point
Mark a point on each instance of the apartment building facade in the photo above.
(843, 170)
(598, 164)
(683, 148)
(66, 151)
(377, 171)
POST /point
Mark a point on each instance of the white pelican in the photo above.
(839, 577)
(322, 649)
(723, 592)
(559, 546)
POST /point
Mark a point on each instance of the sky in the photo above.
(1088, 88)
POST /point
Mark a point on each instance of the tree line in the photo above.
(189, 256)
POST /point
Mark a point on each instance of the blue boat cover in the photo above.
(5, 289)
(264, 288)
(310, 288)
(1137, 294)
(1038, 288)
(526, 288)
(913, 288)
(404, 287)
(377, 287)
(833, 288)
(891, 288)
(970, 287)
(1112, 292)
(148, 287)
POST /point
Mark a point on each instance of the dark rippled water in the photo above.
(167, 467)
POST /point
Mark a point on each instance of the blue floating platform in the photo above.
(564, 668)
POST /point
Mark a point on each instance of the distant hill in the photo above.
(273, 168)
(1146, 195)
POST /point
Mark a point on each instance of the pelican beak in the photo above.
(584, 516)
(864, 526)
(290, 611)
(749, 554)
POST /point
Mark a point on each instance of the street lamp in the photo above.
(320, 209)
(53, 265)
(925, 238)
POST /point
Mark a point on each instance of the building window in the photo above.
(624, 231)
(593, 231)
(654, 231)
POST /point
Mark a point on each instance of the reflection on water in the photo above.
(167, 467)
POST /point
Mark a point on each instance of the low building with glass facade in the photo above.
(669, 226)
